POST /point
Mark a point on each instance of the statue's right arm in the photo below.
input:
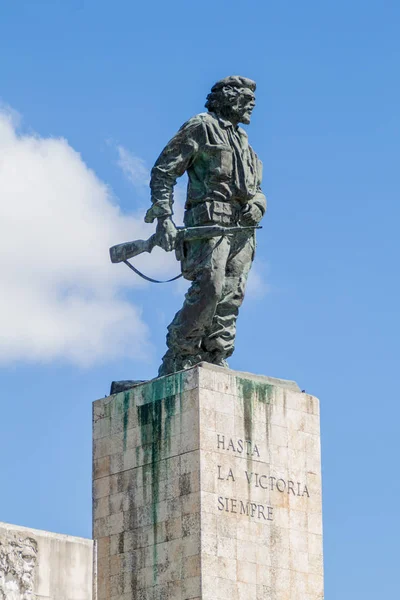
(171, 164)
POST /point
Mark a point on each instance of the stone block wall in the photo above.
(207, 484)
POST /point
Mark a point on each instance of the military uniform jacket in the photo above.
(220, 163)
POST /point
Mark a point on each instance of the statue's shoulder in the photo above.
(198, 120)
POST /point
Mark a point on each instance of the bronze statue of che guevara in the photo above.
(223, 196)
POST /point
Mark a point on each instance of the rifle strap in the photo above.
(143, 276)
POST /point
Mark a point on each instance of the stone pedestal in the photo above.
(207, 485)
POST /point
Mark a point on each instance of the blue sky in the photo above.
(90, 92)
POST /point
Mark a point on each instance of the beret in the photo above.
(234, 81)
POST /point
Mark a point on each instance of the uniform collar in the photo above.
(223, 122)
(226, 124)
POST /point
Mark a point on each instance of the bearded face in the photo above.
(244, 106)
(28, 564)
(235, 104)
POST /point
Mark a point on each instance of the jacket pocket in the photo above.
(220, 161)
(199, 214)
(223, 212)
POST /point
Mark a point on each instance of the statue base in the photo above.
(207, 485)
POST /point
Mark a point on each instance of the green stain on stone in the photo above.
(162, 388)
(150, 423)
(255, 390)
(126, 416)
(252, 392)
(107, 410)
(246, 392)
(155, 417)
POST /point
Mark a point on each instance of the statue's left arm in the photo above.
(260, 201)
(257, 206)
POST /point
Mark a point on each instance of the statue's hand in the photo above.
(166, 233)
(251, 215)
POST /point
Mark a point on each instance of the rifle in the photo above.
(121, 252)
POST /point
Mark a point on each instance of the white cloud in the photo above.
(133, 167)
(61, 298)
(256, 285)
